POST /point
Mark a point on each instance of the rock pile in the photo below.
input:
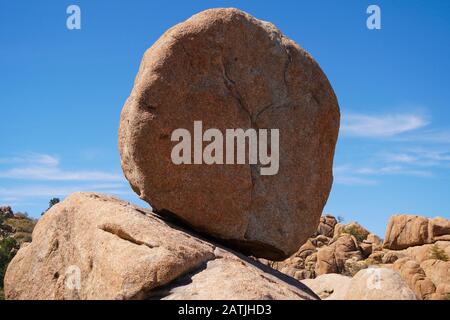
(414, 247)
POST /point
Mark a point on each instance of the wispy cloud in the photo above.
(45, 191)
(370, 175)
(34, 178)
(380, 126)
(57, 174)
(38, 195)
(420, 157)
(47, 167)
(346, 175)
(432, 136)
(392, 170)
(32, 158)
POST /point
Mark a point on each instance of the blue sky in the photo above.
(62, 92)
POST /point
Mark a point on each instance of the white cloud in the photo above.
(401, 157)
(354, 181)
(392, 170)
(380, 126)
(366, 175)
(17, 193)
(56, 174)
(346, 175)
(421, 157)
(46, 167)
(30, 180)
(427, 136)
(33, 158)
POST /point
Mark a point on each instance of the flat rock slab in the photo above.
(92, 246)
(229, 70)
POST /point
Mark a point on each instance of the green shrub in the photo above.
(8, 248)
(438, 253)
(51, 203)
(355, 231)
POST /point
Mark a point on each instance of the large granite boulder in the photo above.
(228, 70)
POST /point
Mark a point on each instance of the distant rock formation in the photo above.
(415, 247)
(404, 231)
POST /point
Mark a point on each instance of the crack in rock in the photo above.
(122, 234)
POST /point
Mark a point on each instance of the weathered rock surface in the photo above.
(326, 226)
(329, 286)
(97, 247)
(405, 231)
(331, 259)
(425, 268)
(439, 229)
(231, 278)
(437, 271)
(378, 284)
(415, 277)
(424, 252)
(230, 70)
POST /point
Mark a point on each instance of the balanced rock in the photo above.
(97, 247)
(225, 70)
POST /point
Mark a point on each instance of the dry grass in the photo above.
(354, 231)
(21, 224)
(438, 253)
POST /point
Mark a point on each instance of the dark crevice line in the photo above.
(122, 234)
